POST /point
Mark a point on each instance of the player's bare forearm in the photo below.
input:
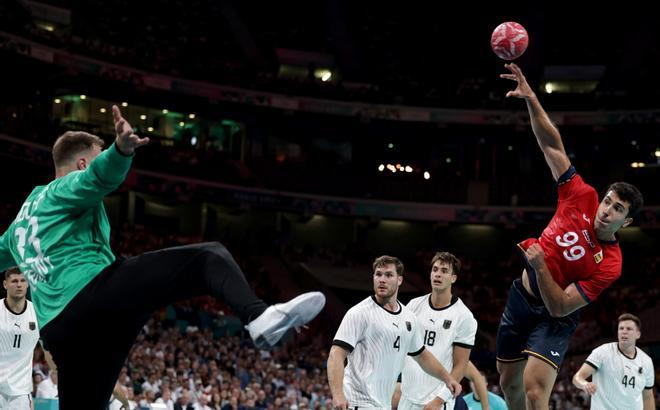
(551, 293)
(432, 366)
(649, 399)
(559, 302)
(548, 137)
(546, 133)
(480, 386)
(336, 360)
(461, 357)
(396, 396)
(580, 378)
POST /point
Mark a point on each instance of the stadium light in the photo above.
(143, 117)
(191, 116)
(57, 101)
(427, 175)
(83, 97)
(102, 110)
(165, 111)
(124, 104)
(150, 129)
(381, 167)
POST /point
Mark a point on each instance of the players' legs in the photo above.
(511, 382)
(521, 315)
(538, 378)
(113, 307)
(156, 279)
(92, 360)
(89, 352)
(547, 345)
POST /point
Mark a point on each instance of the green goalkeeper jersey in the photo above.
(60, 238)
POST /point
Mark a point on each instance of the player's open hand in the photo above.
(590, 388)
(339, 403)
(523, 90)
(454, 387)
(126, 140)
(535, 256)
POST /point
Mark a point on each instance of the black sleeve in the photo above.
(417, 353)
(342, 344)
(591, 364)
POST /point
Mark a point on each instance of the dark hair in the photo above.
(629, 193)
(630, 316)
(72, 143)
(387, 260)
(449, 258)
(12, 271)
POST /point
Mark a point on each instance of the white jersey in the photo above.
(619, 379)
(19, 335)
(443, 329)
(378, 342)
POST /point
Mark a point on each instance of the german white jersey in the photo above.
(620, 380)
(19, 335)
(378, 342)
(442, 329)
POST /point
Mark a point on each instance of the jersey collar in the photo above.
(625, 355)
(373, 297)
(15, 313)
(454, 299)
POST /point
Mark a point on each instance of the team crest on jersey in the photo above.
(33, 325)
(446, 324)
(408, 326)
(598, 257)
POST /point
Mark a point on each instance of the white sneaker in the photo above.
(267, 329)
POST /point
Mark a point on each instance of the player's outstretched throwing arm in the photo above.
(547, 135)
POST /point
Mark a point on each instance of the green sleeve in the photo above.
(6, 259)
(84, 189)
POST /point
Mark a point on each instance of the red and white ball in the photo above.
(509, 40)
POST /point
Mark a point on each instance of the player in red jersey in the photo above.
(574, 260)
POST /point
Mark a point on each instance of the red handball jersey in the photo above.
(572, 251)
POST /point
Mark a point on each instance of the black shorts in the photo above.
(526, 328)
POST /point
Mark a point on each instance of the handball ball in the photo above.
(509, 40)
